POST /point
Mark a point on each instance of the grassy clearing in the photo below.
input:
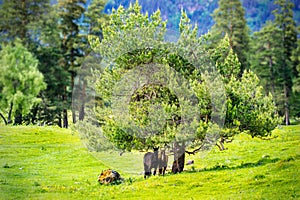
(52, 163)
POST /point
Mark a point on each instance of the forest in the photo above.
(54, 37)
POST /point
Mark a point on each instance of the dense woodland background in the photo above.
(53, 36)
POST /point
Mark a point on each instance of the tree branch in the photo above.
(194, 151)
(3, 118)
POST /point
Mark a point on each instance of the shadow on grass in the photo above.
(217, 167)
(261, 162)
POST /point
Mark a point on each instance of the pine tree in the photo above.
(70, 13)
(94, 19)
(230, 19)
(295, 103)
(226, 60)
(50, 55)
(139, 110)
(266, 57)
(285, 22)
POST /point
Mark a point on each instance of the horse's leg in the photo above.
(147, 170)
(154, 172)
(147, 173)
(160, 170)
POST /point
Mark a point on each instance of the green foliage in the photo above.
(226, 60)
(266, 57)
(20, 80)
(257, 12)
(147, 113)
(229, 19)
(95, 17)
(296, 60)
(248, 109)
(152, 95)
(272, 56)
(295, 103)
(22, 19)
(69, 13)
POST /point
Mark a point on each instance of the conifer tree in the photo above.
(272, 51)
(266, 57)
(230, 19)
(70, 13)
(285, 22)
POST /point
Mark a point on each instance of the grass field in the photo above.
(52, 163)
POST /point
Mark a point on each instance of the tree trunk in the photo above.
(83, 98)
(34, 114)
(3, 118)
(286, 106)
(65, 111)
(18, 118)
(271, 73)
(9, 113)
(179, 158)
(73, 116)
(81, 112)
(72, 86)
(59, 123)
(65, 118)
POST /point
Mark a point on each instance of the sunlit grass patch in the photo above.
(52, 163)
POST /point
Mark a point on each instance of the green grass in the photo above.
(52, 163)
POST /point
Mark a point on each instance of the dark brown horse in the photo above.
(150, 162)
(155, 160)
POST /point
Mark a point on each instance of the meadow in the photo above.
(52, 163)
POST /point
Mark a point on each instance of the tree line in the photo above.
(55, 38)
(43, 46)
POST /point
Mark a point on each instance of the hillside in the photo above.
(52, 163)
(199, 11)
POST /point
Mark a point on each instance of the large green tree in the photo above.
(230, 19)
(156, 94)
(295, 105)
(20, 81)
(36, 24)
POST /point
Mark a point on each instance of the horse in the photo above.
(155, 160)
(162, 162)
(150, 161)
